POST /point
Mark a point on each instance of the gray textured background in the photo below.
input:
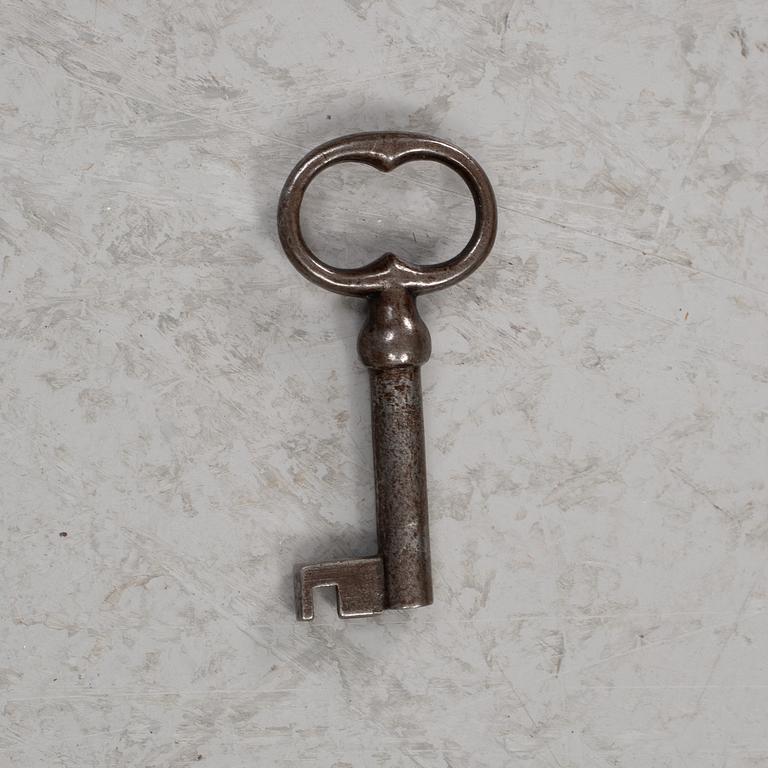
(191, 413)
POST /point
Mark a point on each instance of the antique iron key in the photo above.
(393, 343)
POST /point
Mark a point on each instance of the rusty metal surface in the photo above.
(402, 524)
(393, 343)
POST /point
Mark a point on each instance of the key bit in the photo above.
(393, 344)
(359, 586)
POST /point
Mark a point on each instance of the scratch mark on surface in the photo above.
(113, 597)
(190, 585)
(687, 481)
(165, 107)
(648, 646)
(725, 642)
(740, 34)
(679, 177)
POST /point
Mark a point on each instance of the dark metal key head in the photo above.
(393, 343)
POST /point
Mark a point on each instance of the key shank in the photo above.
(393, 344)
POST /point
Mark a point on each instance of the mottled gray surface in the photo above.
(191, 413)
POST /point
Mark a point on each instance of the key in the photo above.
(394, 343)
